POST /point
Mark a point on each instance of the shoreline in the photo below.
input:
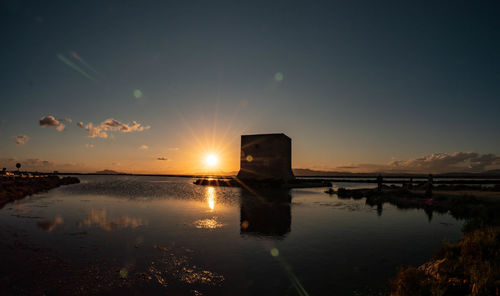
(18, 187)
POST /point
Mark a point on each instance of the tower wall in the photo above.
(266, 157)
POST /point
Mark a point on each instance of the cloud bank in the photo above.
(434, 163)
(40, 165)
(442, 162)
(111, 125)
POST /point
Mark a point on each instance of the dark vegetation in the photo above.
(469, 267)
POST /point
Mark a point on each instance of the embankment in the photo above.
(12, 188)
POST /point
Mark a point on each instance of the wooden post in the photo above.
(379, 182)
(428, 191)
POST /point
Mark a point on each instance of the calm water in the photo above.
(157, 234)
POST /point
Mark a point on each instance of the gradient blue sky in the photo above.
(364, 83)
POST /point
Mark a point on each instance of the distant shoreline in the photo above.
(457, 179)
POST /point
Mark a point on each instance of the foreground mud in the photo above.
(469, 267)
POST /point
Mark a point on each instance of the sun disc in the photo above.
(211, 160)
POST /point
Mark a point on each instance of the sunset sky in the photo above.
(154, 87)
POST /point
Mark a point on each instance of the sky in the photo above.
(156, 86)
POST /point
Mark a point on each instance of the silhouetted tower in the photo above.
(266, 157)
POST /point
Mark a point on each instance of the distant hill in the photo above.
(314, 173)
(309, 172)
(109, 172)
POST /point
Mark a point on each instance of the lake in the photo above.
(157, 235)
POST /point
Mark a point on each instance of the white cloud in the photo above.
(51, 121)
(111, 125)
(144, 147)
(89, 146)
(21, 139)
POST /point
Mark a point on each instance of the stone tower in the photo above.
(266, 157)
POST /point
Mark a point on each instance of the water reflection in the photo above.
(49, 225)
(210, 223)
(100, 218)
(211, 198)
(265, 212)
(402, 204)
(178, 267)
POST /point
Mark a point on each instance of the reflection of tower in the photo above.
(266, 212)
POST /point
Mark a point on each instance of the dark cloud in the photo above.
(51, 121)
(162, 158)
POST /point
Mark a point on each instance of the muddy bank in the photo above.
(12, 188)
(469, 267)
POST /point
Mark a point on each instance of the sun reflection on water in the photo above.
(208, 223)
(211, 198)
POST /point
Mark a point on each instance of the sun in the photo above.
(211, 160)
